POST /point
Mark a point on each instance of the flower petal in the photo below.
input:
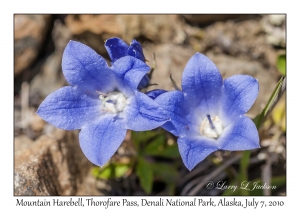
(69, 109)
(84, 68)
(194, 150)
(136, 50)
(239, 94)
(173, 103)
(155, 93)
(101, 139)
(242, 135)
(202, 83)
(131, 70)
(116, 48)
(143, 113)
(144, 82)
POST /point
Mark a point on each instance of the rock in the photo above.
(52, 165)
(276, 20)
(170, 59)
(243, 40)
(93, 30)
(275, 27)
(37, 124)
(89, 186)
(29, 34)
(37, 178)
(22, 143)
(51, 77)
(96, 24)
(208, 19)
(156, 28)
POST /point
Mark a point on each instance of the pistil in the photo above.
(210, 121)
(211, 127)
(113, 102)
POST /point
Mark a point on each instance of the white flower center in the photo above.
(211, 127)
(113, 102)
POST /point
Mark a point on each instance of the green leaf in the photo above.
(244, 165)
(111, 171)
(281, 64)
(243, 175)
(159, 147)
(171, 151)
(145, 174)
(102, 173)
(165, 172)
(139, 138)
(279, 115)
(156, 146)
(120, 170)
(271, 103)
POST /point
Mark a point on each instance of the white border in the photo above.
(8, 8)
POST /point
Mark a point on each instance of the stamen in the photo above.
(100, 93)
(211, 127)
(210, 121)
(112, 101)
(102, 97)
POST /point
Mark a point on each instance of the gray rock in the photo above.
(53, 165)
(29, 33)
(51, 77)
(210, 18)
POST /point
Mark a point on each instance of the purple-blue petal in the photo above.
(84, 68)
(194, 150)
(242, 135)
(239, 94)
(143, 113)
(116, 48)
(101, 139)
(144, 82)
(155, 93)
(202, 83)
(173, 102)
(135, 49)
(131, 70)
(69, 109)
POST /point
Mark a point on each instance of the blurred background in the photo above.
(49, 161)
